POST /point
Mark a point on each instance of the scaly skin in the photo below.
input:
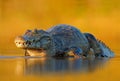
(98, 47)
(61, 40)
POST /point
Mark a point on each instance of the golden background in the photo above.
(99, 17)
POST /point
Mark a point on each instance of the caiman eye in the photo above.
(45, 40)
(28, 31)
(33, 40)
(48, 38)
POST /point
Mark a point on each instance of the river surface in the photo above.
(25, 68)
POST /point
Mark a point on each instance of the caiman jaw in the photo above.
(20, 42)
(25, 44)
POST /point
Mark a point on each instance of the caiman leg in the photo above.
(26, 53)
(75, 52)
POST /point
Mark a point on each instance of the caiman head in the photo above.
(35, 40)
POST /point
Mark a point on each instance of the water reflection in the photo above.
(52, 65)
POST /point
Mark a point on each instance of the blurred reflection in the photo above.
(52, 65)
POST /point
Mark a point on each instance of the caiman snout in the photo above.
(20, 42)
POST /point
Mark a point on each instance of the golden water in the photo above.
(21, 68)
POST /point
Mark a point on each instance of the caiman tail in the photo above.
(106, 51)
(99, 48)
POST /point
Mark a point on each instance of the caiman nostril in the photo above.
(29, 43)
(23, 43)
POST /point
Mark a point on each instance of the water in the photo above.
(26, 68)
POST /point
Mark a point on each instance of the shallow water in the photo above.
(25, 68)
